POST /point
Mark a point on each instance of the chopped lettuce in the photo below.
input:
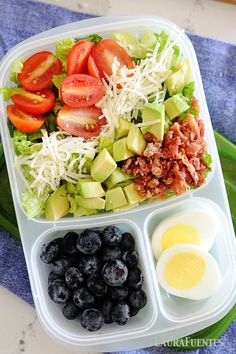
(63, 48)
(162, 39)
(57, 80)
(16, 68)
(33, 204)
(207, 158)
(130, 42)
(105, 142)
(23, 145)
(176, 58)
(188, 90)
(95, 38)
(8, 91)
(26, 172)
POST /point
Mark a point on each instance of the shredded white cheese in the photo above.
(62, 157)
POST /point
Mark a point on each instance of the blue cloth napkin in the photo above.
(21, 19)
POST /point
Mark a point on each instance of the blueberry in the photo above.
(111, 236)
(106, 309)
(127, 242)
(137, 299)
(83, 298)
(70, 310)
(115, 272)
(120, 313)
(61, 266)
(58, 292)
(89, 265)
(68, 244)
(109, 254)
(92, 319)
(50, 251)
(73, 278)
(130, 258)
(133, 311)
(53, 277)
(96, 285)
(134, 278)
(118, 293)
(89, 241)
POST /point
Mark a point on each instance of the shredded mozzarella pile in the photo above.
(55, 161)
(127, 90)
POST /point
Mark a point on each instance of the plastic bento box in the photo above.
(165, 317)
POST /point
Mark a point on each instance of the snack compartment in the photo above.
(71, 331)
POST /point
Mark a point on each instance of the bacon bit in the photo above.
(175, 164)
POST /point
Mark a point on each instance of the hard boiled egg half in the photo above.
(192, 226)
(189, 272)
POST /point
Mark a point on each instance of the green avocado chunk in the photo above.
(57, 204)
(123, 129)
(90, 203)
(178, 80)
(71, 188)
(116, 177)
(102, 166)
(135, 141)
(115, 198)
(151, 112)
(132, 195)
(89, 188)
(175, 105)
(120, 150)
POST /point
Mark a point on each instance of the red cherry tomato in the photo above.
(104, 54)
(23, 121)
(81, 90)
(83, 122)
(38, 71)
(92, 68)
(36, 103)
(78, 57)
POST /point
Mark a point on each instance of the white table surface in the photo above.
(20, 331)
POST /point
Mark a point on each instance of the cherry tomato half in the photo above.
(104, 54)
(36, 103)
(92, 68)
(78, 57)
(23, 121)
(83, 122)
(38, 71)
(81, 90)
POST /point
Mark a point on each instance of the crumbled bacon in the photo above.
(177, 163)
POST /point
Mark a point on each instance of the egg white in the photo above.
(204, 221)
(207, 286)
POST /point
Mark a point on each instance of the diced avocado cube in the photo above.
(84, 212)
(123, 129)
(116, 177)
(151, 112)
(126, 207)
(102, 166)
(176, 105)
(91, 203)
(120, 150)
(70, 188)
(90, 189)
(57, 204)
(132, 195)
(125, 183)
(178, 80)
(135, 140)
(115, 198)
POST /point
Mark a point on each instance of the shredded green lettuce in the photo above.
(57, 80)
(176, 58)
(162, 39)
(8, 91)
(23, 145)
(188, 90)
(105, 142)
(207, 158)
(16, 68)
(33, 204)
(95, 38)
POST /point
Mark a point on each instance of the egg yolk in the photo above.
(180, 233)
(184, 270)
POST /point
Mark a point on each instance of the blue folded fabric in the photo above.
(21, 19)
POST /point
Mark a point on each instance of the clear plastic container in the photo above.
(165, 317)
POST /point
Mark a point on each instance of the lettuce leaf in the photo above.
(57, 80)
(95, 38)
(105, 142)
(162, 39)
(33, 204)
(63, 48)
(207, 158)
(16, 68)
(8, 91)
(188, 90)
(22, 145)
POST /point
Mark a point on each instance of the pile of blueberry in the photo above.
(95, 276)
